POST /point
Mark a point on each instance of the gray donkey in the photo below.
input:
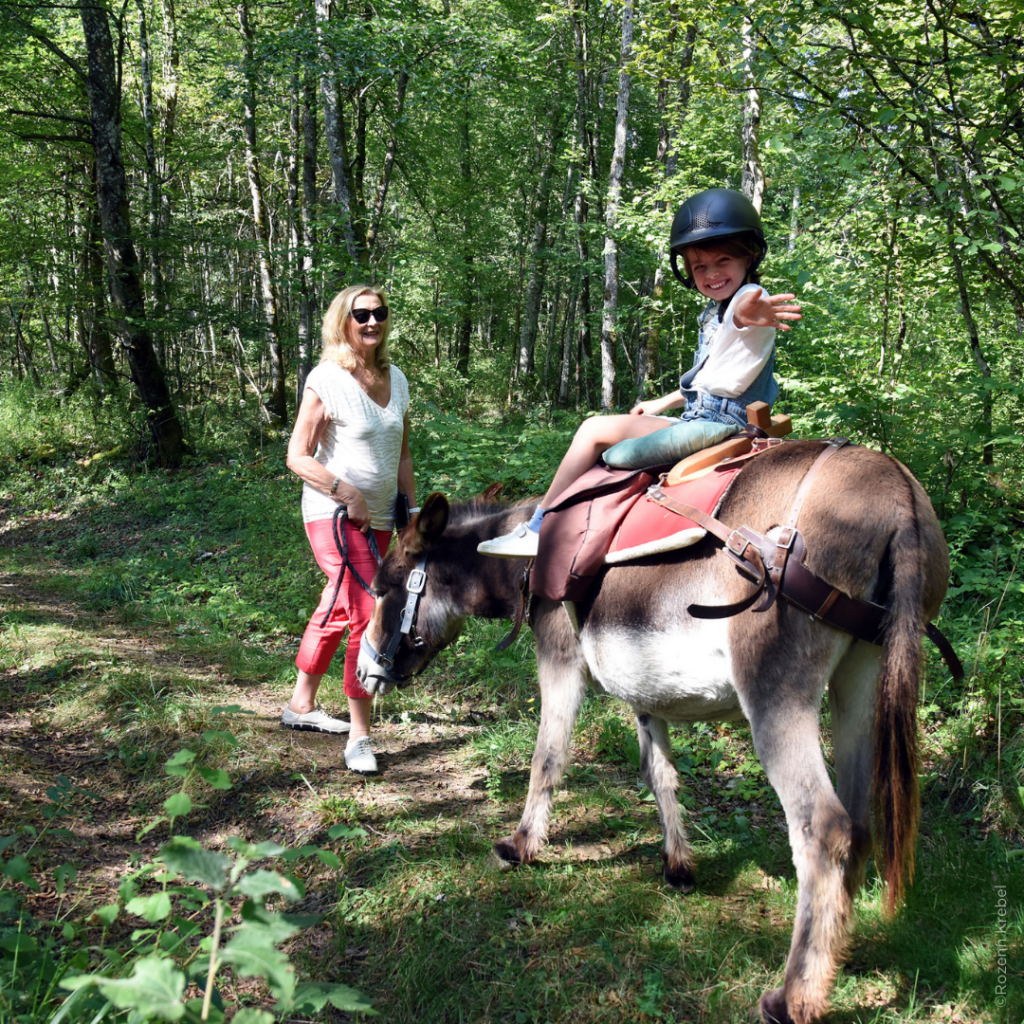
(870, 532)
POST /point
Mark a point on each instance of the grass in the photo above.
(140, 602)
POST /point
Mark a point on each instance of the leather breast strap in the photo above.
(769, 565)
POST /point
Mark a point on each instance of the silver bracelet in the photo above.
(334, 487)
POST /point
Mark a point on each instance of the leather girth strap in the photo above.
(777, 568)
(521, 607)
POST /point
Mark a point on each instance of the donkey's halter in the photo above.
(776, 567)
(414, 587)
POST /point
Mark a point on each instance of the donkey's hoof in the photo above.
(773, 1008)
(506, 854)
(681, 878)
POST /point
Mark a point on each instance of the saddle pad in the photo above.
(648, 527)
(577, 529)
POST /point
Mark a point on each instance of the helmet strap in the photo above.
(687, 282)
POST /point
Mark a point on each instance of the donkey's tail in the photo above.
(897, 800)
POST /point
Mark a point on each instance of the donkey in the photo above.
(870, 531)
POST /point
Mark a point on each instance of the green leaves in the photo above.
(195, 863)
(153, 908)
(260, 884)
(312, 997)
(155, 988)
(18, 870)
(178, 764)
(216, 777)
(252, 953)
(177, 804)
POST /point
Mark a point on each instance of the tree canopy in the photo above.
(481, 160)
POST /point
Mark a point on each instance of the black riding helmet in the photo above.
(714, 213)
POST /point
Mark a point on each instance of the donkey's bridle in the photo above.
(414, 587)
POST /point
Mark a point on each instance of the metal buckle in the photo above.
(789, 533)
(737, 551)
(417, 581)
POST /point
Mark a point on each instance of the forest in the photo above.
(185, 185)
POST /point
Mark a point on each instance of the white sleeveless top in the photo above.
(362, 443)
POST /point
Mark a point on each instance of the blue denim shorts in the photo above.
(719, 410)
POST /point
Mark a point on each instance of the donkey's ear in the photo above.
(427, 525)
(492, 492)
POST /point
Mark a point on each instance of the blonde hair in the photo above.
(336, 348)
(743, 246)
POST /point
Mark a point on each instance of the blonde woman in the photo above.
(350, 446)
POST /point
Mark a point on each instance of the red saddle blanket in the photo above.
(607, 510)
(647, 521)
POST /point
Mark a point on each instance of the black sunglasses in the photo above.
(362, 316)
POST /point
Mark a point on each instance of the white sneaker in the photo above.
(313, 721)
(359, 756)
(520, 543)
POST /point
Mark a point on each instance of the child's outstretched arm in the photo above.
(759, 309)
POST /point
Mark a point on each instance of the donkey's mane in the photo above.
(478, 508)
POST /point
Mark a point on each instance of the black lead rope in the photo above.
(341, 543)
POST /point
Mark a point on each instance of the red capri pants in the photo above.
(353, 607)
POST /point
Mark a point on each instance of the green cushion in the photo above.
(668, 445)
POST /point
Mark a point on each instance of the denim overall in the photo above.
(730, 411)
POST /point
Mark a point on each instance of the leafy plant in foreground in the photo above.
(204, 910)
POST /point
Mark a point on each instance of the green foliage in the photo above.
(38, 428)
(187, 944)
(463, 458)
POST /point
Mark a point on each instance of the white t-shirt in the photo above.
(736, 355)
(362, 443)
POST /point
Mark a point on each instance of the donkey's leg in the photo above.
(662, 780)
(852, 695)
(785, 731)
(562, 678)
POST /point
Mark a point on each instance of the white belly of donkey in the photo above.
(684, 675)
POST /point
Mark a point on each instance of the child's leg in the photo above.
(595, 436)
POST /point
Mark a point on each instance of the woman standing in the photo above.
(350, 447)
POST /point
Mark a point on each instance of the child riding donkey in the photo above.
(721, 240)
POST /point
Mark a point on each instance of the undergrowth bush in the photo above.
(40, 426)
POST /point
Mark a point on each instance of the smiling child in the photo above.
(719, 236)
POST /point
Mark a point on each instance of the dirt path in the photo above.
(287, 785)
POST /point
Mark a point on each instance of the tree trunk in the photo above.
(468, 198)
(334, 130)
(670, 122)
(24, 352)
(609, 327)
(278, 403)
(565, 362)
(307, 304)
(974, 339)
(170, 86)
(123, 265)
(93, 317)
(587, 172)
(753, 176)
(153, 190)
(535, 283)
(389, 162)
(794, 219)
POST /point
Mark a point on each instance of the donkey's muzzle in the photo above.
(375, 675)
